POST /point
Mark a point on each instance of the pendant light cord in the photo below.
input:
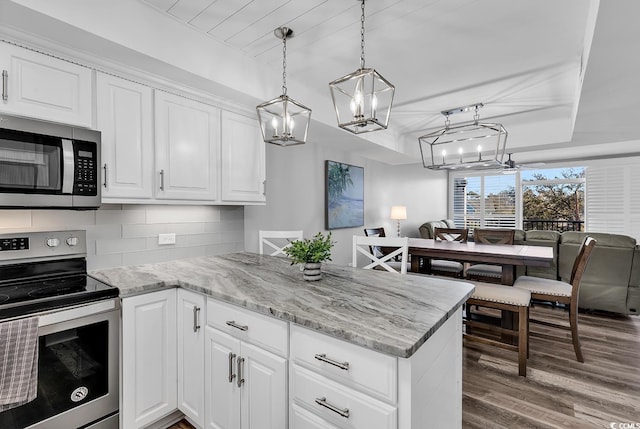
(284, 64)
(362, 36)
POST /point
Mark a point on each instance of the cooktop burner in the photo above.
(3, 298)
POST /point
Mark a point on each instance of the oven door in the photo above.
(77, 370)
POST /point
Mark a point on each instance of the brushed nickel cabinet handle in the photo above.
(344, 412)
(342, 365)
(196, 321)
(240, 363)
(232, 356)
(233, 324)
(162, 180)
(5, 85)
(104, 167)
(264, 187)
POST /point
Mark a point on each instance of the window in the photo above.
(484, 201)
(537, 199)
(553, 199)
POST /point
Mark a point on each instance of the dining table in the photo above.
(506, 255)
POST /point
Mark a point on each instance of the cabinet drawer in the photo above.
(264, 331)
(369, 371)
(303, 419)
(340, 405)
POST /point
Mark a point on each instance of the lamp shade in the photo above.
(398, 212)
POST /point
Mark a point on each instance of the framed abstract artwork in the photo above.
(344, 198)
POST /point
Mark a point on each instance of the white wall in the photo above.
(128, 234)
(296, 196)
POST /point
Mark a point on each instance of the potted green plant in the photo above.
(311, 252)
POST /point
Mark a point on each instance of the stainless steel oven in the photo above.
(43, 274)
(48, 165)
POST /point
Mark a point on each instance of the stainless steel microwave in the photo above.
(48, 165)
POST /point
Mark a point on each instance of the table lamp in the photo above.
(398, 213)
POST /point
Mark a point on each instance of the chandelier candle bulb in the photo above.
(460, 152)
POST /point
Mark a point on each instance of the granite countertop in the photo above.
(383, 311)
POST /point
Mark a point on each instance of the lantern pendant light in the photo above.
(283, 121)
(362, 99)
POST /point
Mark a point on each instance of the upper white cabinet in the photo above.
(125, 118)
(187, 148)
(243, 159)
(44, 87)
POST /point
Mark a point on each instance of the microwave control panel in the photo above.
(86, 178)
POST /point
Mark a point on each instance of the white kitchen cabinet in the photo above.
(245, 385)
(125, 118)
(243, 159)
(40, 86)
(191, 339)
(149, 358)
(187, 135)
(334, 383)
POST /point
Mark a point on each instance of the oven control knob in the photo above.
(72, 241)
(53, 242)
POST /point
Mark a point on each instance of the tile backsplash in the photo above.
(119, 235)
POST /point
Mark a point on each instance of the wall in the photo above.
(128, 234)
(296, 196)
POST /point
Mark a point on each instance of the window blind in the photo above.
(613, 198)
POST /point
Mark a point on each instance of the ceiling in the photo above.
(560, 76)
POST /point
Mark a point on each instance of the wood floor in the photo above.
(558, 392)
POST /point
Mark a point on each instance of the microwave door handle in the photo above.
(68, 166)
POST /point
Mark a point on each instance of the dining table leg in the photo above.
(508, 274)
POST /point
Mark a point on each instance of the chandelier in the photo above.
(284, 121)
(474, 145)
(362, 99)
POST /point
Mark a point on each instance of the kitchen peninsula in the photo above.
(359, 348)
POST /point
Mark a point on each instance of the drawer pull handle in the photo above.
(233, 324)
(105, 176)
(342, 365)
(196, 318)
(344, 412)
(240, 362)
(5, 86)
(231, 374)
(162, 180)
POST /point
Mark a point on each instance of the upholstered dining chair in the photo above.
(565, 293)
(277, 241)
(442, 266)
(397, 246)
(486, 272)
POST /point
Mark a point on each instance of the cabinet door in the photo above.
(243, 159)
(187, 136)
(40, 86)
(264, 392)
(191, 355)
(148, 358)
(222, 394)
(124, 116)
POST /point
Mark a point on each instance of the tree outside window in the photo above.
(553, 199)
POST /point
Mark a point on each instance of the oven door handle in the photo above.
(68, 166)
(59, 316)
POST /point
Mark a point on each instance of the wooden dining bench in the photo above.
(505, 299)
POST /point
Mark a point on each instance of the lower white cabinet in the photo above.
(148, 358)
(191, 321)
(245, 385)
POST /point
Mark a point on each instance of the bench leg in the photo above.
(523, 340)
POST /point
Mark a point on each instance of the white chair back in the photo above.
(276, 247)
(394, 246)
